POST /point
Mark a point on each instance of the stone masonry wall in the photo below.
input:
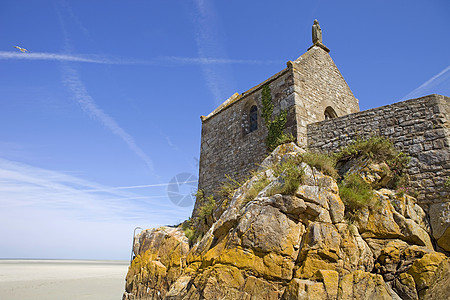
(318, 85)
(226, 148)
(420, 127)
(304, 89)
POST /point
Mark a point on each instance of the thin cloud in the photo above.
(144, 186)
(9, 55)
(108, 60)
(72, 80)
(215, 61)
(218, 80)
(430, 83)
(28, 187)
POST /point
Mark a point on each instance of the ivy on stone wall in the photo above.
(275, 125)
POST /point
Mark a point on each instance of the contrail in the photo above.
(132, 187)
(63, 57)
(97, 59)
(418, 90)
(216, 61)
(72, 81)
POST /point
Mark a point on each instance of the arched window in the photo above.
(330, 113)
(253, 118)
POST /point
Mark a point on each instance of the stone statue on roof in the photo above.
(316, 33)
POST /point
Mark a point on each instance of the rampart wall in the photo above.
(419, 127)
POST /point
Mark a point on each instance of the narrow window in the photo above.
(330, 113)
(253, 118)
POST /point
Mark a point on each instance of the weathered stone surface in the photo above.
(384, 220)
(178, 287)
(363, 285)
(355, 253)
(220, 281)
(304, 289)
(376, 174)
(265, 229)
(441, 283)
(406, 287)
(424, 269)
(290, 247)
(377, 245)
(440, 224)
(444, 241)
(161, 253)
(288, 204)
(321, 197)
(330, 281)
(257, 288)
(336, 207)
(277, 155)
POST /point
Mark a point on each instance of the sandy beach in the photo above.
(62, 279)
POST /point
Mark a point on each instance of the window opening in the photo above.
(253, 118)
(330, 113)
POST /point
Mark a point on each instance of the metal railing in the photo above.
(132, 245)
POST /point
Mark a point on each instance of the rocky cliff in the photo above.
(286, 233)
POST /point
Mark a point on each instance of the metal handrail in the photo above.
(132, 245)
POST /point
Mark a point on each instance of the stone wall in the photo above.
(305, 89)
(318, 85)
(420, 127)
(227, 148)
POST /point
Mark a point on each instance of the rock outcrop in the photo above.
(300, 245)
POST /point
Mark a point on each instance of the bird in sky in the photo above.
(21, 49)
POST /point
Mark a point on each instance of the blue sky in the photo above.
(103, 111)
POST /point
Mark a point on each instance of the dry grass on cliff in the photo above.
(228, 187)
(377, 149)
(323, 162)
(355, 192)
(292, 174)
(257, 187)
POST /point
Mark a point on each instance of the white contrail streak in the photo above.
(72, 81)
(427, 83)
(62, 57)
(97, 59)
(151, 185)
(216, 61)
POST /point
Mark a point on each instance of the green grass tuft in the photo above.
(322, 162)
(207, 207)
(189, 231)
(228, 187)
(256, 187)
(378, 149)
(355, 193)
(291, 173)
